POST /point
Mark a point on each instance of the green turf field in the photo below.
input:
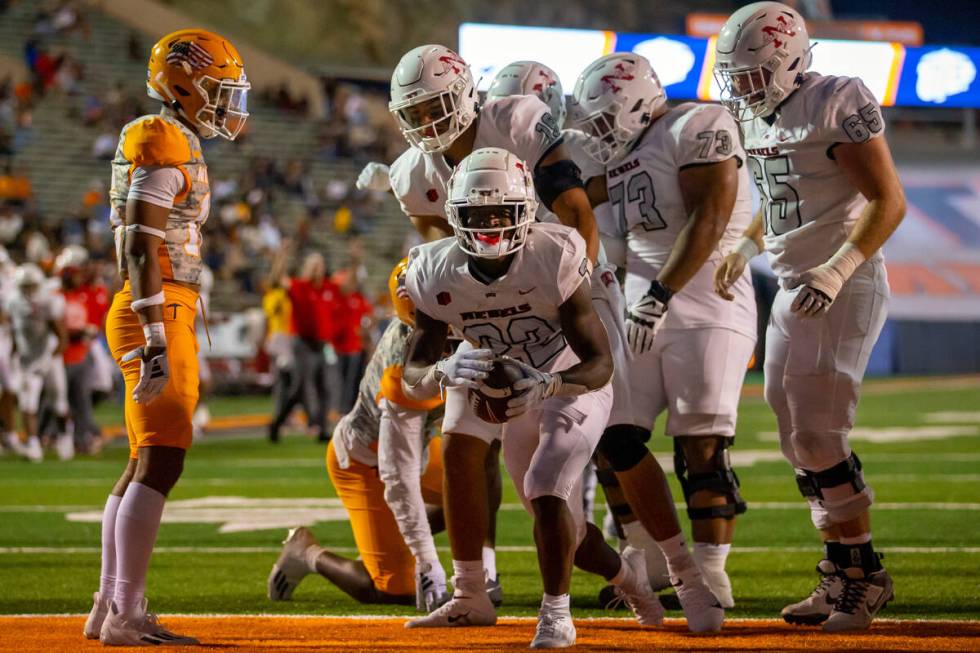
(920, 446)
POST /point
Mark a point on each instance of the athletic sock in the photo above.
(637, 536)
(857, 556)
(675, 550)
(552, 604)
(310, 555)
(490, 562)
(469, 576)
(137, 523)
(711, 557)
(107, 577)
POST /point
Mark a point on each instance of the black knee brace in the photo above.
(624, 446)
(812, 484)
(722, 481)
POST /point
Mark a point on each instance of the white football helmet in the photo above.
(433, 97)
(761, 55)
(531, 78)
(72, 256)
(615, 98)
(28, 278)
(491, 184)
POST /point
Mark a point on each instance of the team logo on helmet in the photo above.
(547, 81)
(620, 73)
(450, 62)
(772, 32)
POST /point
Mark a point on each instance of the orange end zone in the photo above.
(278, 634)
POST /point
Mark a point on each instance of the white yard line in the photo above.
(77, 550)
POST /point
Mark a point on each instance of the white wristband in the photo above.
(846, 260)
(152, 300)
(155, 334)
(747, 248)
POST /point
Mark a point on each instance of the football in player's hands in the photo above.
(489, 400)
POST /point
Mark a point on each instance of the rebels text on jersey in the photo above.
(810, 206)
(515, 315)
(520, 124)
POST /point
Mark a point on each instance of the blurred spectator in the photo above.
(86, 304)
(351, 335)
(316, 315)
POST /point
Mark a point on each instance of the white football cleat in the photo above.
(859, 602)
(291, 567)
(636, 591)
(96, 616)
(701, 609)
(18, 448)
(721, 586)
(33, 451)
(464, 609)
(555, 630)
(816, 608)
(138, 628)
(64, 446)
(495, 591)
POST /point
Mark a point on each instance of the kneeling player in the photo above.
(517, 291)
(376, 461)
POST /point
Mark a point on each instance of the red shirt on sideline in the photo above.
(316, 309)
(85, 307)
(355, 307)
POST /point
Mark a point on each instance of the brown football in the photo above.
(489, 401)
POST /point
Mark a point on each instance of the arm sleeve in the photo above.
(849, 113)
(416, 194)
(158, 185)
(708, 134)
(415, 284)
(574, 266)
(401, 449)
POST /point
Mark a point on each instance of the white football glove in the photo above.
(374, 176)
(155, 369)
(464, 368)
(822, 284)
(430, 585)
(645, 318)
(539, 385)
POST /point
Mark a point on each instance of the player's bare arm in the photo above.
(571, 204)
(58, 328)
(425, 375)
(586, 336)
(708, 215)
(869, 167)
(142, 263)
(431, 227)
(732, 266)
(597, 190)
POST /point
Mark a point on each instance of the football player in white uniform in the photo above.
(515, 290)
(676, 181)
(8, 382)
(534, 78)
(37, 324)
(434, 101)
(830, 199)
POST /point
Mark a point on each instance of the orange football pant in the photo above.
(166, 421)
(379, 542)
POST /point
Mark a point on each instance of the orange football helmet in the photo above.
(404, 308)
(200, 75)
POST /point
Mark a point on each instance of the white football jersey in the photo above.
(645, 197)
(29, 319)
(810, 206)
(515, 315)
(519, 124)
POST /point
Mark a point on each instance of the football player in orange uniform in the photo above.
(160, 198)
(386, 467)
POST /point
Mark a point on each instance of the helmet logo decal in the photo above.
(547, 81)
(772, 32)
(450, 62)
(189, 55)
(619, 73)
